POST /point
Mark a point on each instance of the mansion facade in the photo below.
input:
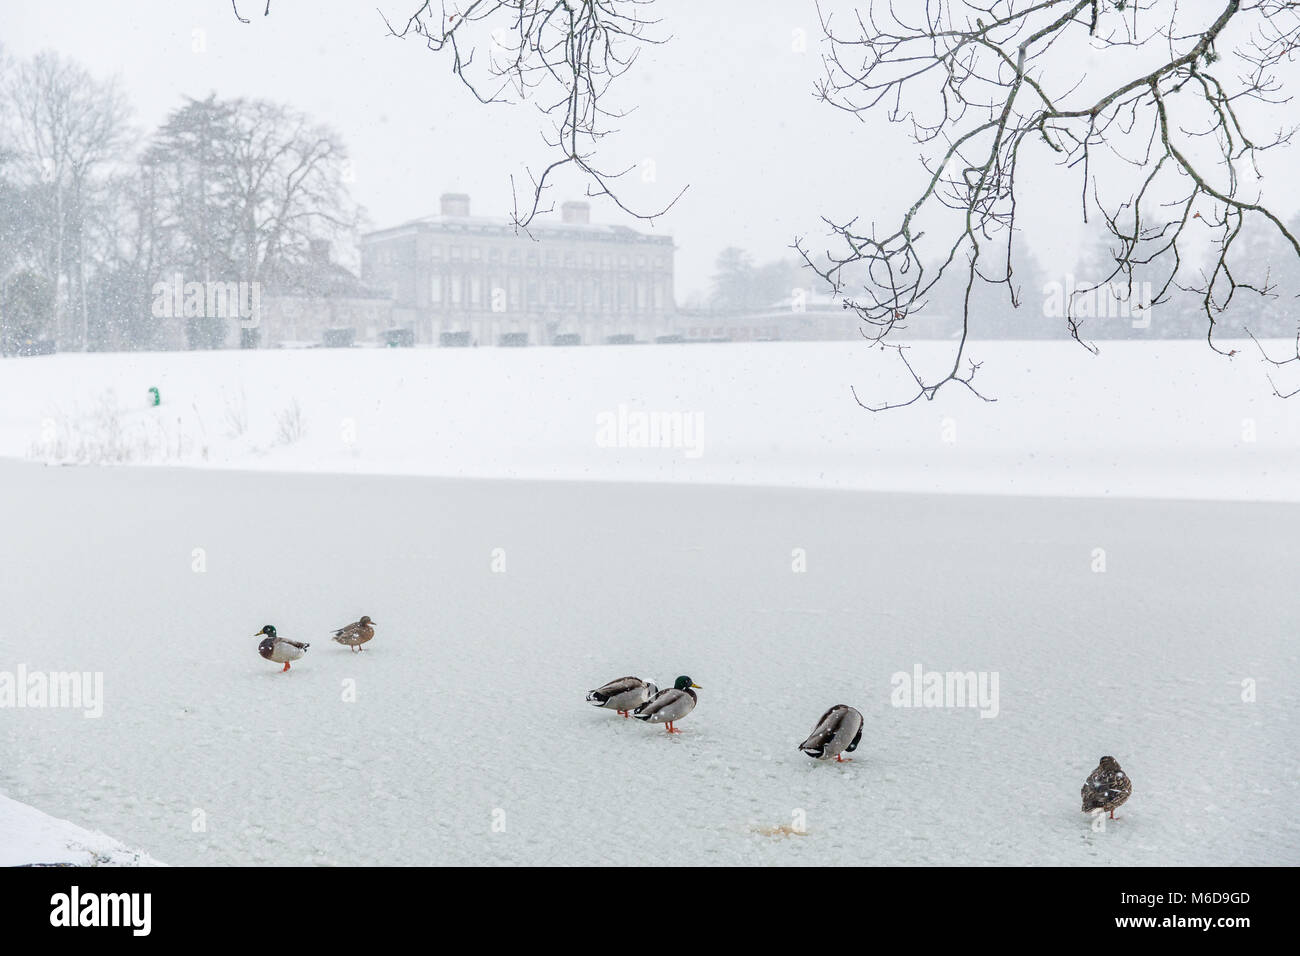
(461, 279)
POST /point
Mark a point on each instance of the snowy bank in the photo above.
(1160, 419)
(28, 836)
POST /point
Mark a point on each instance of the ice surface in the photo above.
(470, 699)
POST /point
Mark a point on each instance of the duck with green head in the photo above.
(669, 705)
(281, 650)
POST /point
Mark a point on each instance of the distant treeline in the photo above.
(94, 212)
(1103, 305)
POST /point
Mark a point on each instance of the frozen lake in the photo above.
(470, 700)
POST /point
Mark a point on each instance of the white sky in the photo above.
(725, 107)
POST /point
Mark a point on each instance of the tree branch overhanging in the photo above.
(562, 55)
(984, 87)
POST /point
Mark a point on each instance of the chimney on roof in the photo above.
(320, 251)
(455, 204)
(577, 213)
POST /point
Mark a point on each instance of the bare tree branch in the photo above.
(985, 85)
(563, 55)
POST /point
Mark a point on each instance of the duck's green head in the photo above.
(685, 682)
(269, 631)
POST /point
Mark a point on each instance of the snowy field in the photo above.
(470, 699)
(1166, 419)
(461, 734)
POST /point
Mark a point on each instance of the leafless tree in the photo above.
(235, 5)
(1157, 136)
(243, 185)
(285, 178)
(66, 126)
(563, 56)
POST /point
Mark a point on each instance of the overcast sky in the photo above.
(725, 107)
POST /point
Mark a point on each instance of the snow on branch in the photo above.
(1158, 143)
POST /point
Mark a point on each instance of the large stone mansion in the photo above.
(462, 279)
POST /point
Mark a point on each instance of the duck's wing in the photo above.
(620, 686)
(829, 711)
(656, 703)
(1103, 788)
(822, 733)
(1119, 786)
(350, 632)
(300, 646)
(670, 704)
(857, 738)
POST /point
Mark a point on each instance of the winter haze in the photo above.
(853, 389)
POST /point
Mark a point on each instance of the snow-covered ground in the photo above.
(28, 837)
(461, 734)
(1165, 419)
(469, 710)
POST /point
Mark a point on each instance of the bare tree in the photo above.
(563, 56)
(284, 176)
(1157, 138)
(235, 5)
(244, 184)
(1159, 135)
(66, 126)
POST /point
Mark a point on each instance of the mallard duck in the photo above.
(838, 731)
(354, 635)
(279, 649)
(623, 694)
(1106, 787)
(669, 706)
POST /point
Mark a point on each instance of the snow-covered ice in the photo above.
(500, 603)
(470, 699)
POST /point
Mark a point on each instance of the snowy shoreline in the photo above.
(1066, 423)
(29, 837)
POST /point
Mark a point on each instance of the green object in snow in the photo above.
(154, 398)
